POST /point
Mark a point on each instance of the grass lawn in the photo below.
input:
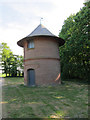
(69, 100)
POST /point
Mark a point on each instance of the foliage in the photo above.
(75, 52)
(5, 55)
(10, 62)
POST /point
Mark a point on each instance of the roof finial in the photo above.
(40, 20)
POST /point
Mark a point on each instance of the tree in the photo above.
(12, 64)
(6, 54)
(75, 53)
(20, 65)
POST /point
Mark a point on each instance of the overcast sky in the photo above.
(18, 18)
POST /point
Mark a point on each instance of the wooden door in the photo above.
(31, 77)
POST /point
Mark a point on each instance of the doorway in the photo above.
(31, 77)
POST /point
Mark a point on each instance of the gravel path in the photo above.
(3, 113)
(0, 98)
(1, 81)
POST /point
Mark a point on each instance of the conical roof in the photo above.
(38, 32)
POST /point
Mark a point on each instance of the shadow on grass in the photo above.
(78, 81)
(65, 100)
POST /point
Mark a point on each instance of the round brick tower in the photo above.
(41, 57)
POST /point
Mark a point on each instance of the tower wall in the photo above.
(44, 59)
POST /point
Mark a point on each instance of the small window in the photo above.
(31, 44)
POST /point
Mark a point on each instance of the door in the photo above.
(31, 77)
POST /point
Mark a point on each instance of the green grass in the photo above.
(69, 100)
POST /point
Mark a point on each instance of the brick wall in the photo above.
(44, 59)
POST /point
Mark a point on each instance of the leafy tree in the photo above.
(20, 65)
(75, 52)
(12, 64)
(6, 53)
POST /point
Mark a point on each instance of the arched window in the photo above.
(31, 44)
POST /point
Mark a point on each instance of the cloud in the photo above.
(11, 36)
(24, 11)
(18, 18)
(31, 6)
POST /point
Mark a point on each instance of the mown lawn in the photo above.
(69, 100)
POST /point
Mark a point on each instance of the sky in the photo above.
(18, 18)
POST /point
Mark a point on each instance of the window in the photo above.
(31, 44)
